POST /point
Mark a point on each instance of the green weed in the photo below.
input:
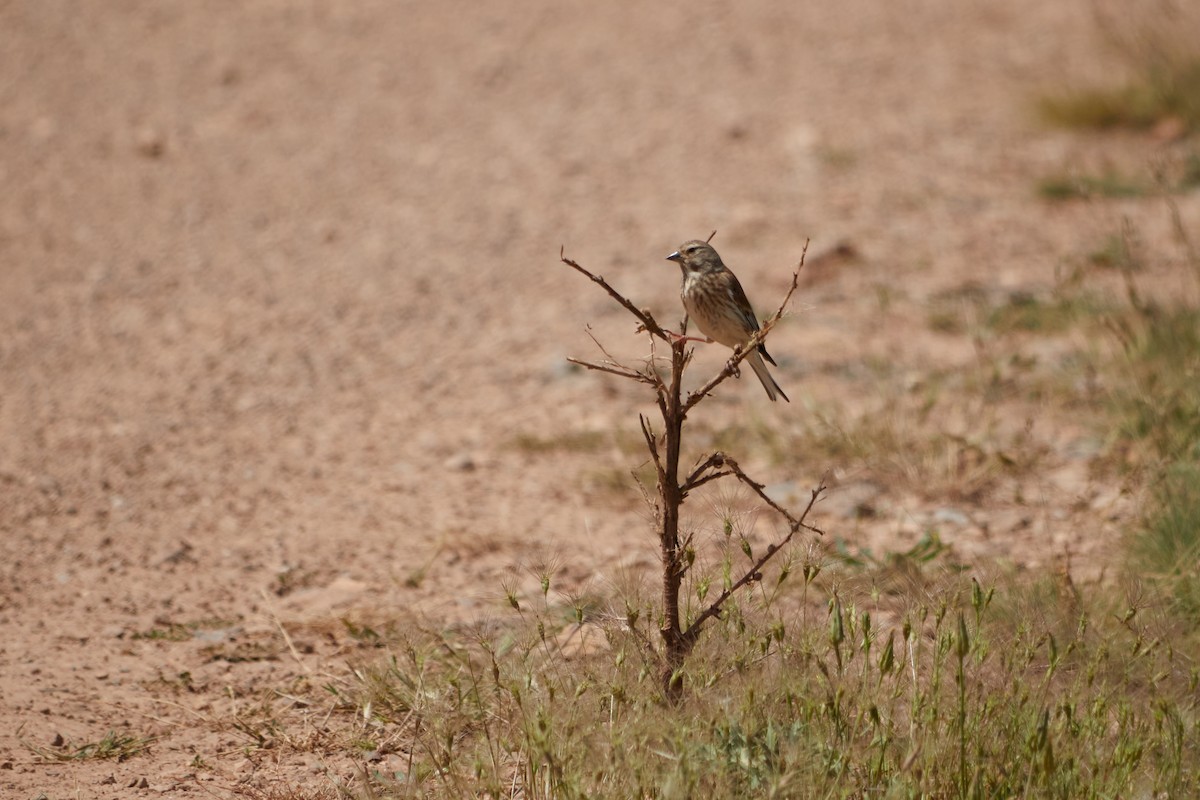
(1109, 184)
(114, 745)
(988, 692)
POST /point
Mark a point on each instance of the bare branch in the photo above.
(758, 338)
(651, 504)
(588, 330)
(643, 316)
(757, 488)
(710, 237)
(712, 476)
(754, 573)
(615, 369)
(652, 446)
(713, 461)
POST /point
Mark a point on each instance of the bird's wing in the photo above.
(747, 311)
(742, 302)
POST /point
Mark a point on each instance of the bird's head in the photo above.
(696, 256)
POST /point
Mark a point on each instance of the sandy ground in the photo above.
(283, 328)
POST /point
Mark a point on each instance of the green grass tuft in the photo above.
(1168, 90)
(952, 690)
(116, 746)
(1072, 187)
(1168, 546)
(1160, 402)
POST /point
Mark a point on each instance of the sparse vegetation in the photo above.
(1157, 40)
(950, 689)
(170, 631)
(113, 745)
(1169, 91)
(1158, 406)
(895, 675)
(1108, 184)
(1115, 253)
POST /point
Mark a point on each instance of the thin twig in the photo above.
(659, 386)
(758, 489)
(754, 573)
(615, 369)
(588, 330)
(283, 631)
(712, 476)
(652, 446)
(643, 316)
(653, 506)
(714, 460)
(701, 476)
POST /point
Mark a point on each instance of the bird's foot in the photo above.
(679, 337)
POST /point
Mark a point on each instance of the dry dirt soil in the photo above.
(283, 327)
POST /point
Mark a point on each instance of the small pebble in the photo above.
(150, 143)
(951, 516)
(460, 463)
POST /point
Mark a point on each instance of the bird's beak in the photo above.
(675, 257)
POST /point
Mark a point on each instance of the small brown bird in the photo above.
(715, 300)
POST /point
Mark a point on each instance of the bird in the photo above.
(716, 301)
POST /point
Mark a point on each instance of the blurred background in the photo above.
(282, 316)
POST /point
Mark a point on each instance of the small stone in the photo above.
(559, 368)
(150, 143)
(57, 741)
(858, 500)
(179, 555)
(951, 516)
(111, 779)
(462, 462)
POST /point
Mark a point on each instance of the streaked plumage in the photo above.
(716, 302)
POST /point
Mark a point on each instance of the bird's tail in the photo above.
(760, 369)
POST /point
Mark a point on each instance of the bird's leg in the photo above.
(679, 337)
